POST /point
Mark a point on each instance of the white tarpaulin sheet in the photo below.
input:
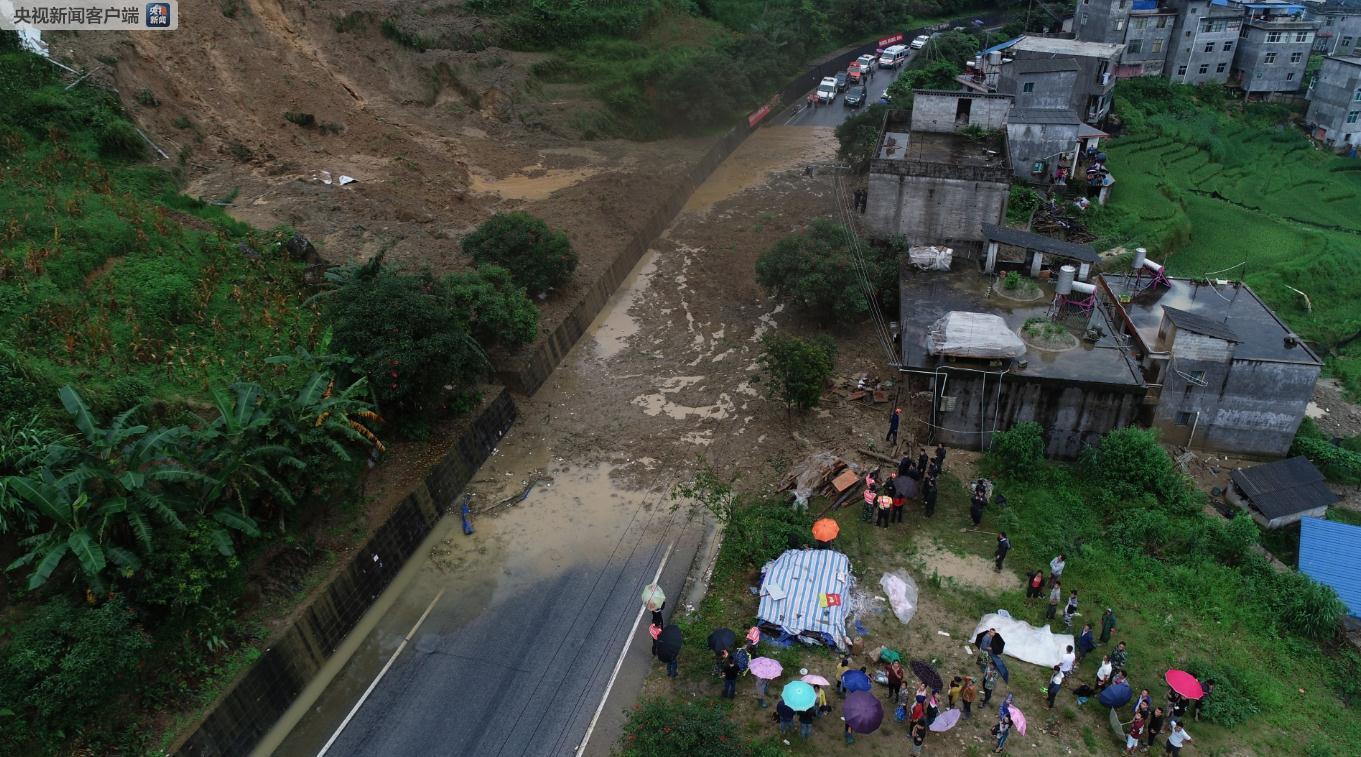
(902, 594)
(930, 258)
(30, 38)
(1037, 646)
(981, 335)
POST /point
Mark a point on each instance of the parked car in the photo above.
(867, 62)
(920, 41)
(826, 91)
(843, 80)
(893, 56)
(855, 97)
(856, 75)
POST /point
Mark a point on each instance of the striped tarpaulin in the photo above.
(816, 588)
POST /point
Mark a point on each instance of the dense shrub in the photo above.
(1018, 452)
(1307, 607)
(795, 370)
(1231, 541)
(818, 272)
(538, 258)
(493, 306)
(63, 666)
(758, 531)
(858, 136)
(157, 287)
(1131, 466)
(1234, 700)
(667, 727)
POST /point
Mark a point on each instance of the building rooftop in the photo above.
(1043, 116)
(1283, 487)
(1349, 60)
(1261, 335)
(943, 147)
(928, 295)
(1185, 321)
(1042, 65)
(1072, 47)
(1083, 253)
(1328, 555)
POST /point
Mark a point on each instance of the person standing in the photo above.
(904, 465)
(968, 694)
(1177, 739)
(1070, 610)
(762, 686)
(1119, 656)
(932, 707)
(952, 694)
(1055, 685)
(1034, 582)
(1055, 594)
(895, 681)
(885, 507)
(904, 489)
(1135, 735)
(806, 722)
(1155, 726)
(989, 682)
(918, 738)
(1056, 567)
(976, 505)
(1003, 547)
(1066, 661)
(841, 668)
(730, 673)
(929, 495)
(784, 715)
(940, 458)
(823, 707)
(1002, 730)
(1085, 642)
(1103, 673)
(1107, 625)
(896, 415)
(1200, 703)
(922, 461)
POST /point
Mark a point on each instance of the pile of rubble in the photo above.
(821, 473)
(865, 388)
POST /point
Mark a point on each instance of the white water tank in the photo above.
(1140, 255)
(1064, 287)
(1152, 266)
(1082, 287)
(995, 58)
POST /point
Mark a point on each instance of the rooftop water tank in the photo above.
(1140, 255)
(1064, 286)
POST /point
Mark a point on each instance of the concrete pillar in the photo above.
(1083, 270)
(1035, 264)
(991, 264)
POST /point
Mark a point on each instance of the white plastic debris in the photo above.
(930, 258)
(977, 335)
(902, 594)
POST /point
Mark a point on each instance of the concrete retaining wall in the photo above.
(256, 701)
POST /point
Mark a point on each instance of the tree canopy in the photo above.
(538, 258)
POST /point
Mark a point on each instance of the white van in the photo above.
(920, 41)
(827, 89)
(893, 56)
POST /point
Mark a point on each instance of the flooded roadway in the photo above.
(522, 624)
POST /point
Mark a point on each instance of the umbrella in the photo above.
(1001, 668)
(668, 644)
(814, 680)
(798, 696)
(722, 639)
(945, 721)
(855, 680)
(1017, 718)
(862, 711)
(754, 635)
(997, 642)
(764, 667)
(927, 674)
(653, 597)
(1115, 695)
(1184, 683)
(1116, 725)
(826, 529)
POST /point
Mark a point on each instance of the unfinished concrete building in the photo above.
(1274, 48)
(930, 181)
(1334, 115)
(1090, 96)
(1339, 31)
(1204, 42)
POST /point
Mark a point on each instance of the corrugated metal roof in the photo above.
(1284, 487)
(1328, 553)
(1200, 324)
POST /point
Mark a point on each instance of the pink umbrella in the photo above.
(1017, 718)
(764, 667)
(814, 680)
(1184, 683)
(945, 721)
(754, 635)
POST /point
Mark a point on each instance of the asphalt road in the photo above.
(833, 114)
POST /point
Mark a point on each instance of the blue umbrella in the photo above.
(855, 680)
(1001, 668)
(862, 711)
(1115, 695)
(798, 695)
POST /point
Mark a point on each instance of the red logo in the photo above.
(886, 41)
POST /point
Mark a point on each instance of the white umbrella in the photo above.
(653, 597)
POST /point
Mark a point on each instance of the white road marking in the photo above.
(622, 654)
(354, 710)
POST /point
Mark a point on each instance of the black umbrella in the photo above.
(997, 642)
(668, 644)
(722, 639)
(927, 675)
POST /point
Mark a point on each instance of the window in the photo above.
(1290, 76)
(1119, 24)
(1301, 36)
(1270, 58)
(1228, 47)
(1184, 419)
(1353, 116)
(1135, 46)
(1358, 96)
(1181, 70)
(1209, 47)
(1122, 4)
(1028, 87)
(1273, 36)
(1204, 68)
(1296, 57)
(1138, 23)
(1346, 41)
(1220, 68)
(1162, 22)
(1233, 25)
(1157, 46)
(1083, 20)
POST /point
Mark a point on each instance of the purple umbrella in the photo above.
(764, 667)
(945, 721)
(862, 711)
(855, 680)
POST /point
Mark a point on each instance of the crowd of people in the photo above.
(912, 480)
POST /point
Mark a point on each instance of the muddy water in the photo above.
(617, 324)
(531, 183)
(775, 148)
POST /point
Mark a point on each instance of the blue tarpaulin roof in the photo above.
(1328, 553)
(1001, 46)
(805, 591)
(1145, 5)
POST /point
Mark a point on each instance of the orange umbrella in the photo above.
(826, 530)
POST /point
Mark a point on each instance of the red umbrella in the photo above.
(1184, 683)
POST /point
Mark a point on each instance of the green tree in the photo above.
(858, 136)
(539, 258)
(406, 337)
(1018, 452)
(816, 271)
(938, 74)
(796, 370)
(493, 306)
(1133, 466)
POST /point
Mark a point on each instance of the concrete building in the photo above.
(1090, 97)
(1039, 83)
(1274, 48)
(1224, 372)
(932, 184)
(1281, 492)
(1038, 140)
(1101, 20)
(1339, 28)
(1204, 42)
(1148, 37)
(1334, 115)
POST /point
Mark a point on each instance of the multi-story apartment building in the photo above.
(1204, 42)
(1339, 28)
(1334, 114)
(1148, 37)
(1273, 49)
(1090, 93)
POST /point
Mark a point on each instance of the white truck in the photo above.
(893, 56)
(826, 91)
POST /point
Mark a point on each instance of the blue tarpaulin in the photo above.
(805, 592)
(1328, 554)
